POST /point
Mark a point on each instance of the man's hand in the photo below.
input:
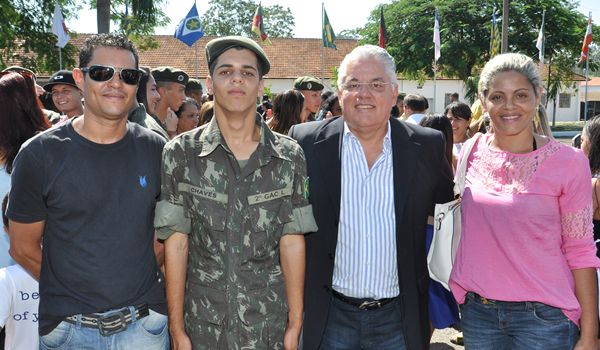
(180, 340)
(291, 338)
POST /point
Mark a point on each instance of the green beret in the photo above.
(170, 74)
(308, 83)
(193, 84)
(216, 47)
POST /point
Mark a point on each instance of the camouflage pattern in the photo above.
(139, 116)
(235, 295)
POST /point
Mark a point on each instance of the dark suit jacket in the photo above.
(422, 177)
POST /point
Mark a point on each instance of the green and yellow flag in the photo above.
(328, 34)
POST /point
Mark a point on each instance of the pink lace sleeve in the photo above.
(578, 224)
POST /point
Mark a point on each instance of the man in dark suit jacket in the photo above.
(338, 311)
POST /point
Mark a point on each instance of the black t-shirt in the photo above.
(97, 201)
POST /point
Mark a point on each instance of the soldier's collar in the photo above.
(211, 138)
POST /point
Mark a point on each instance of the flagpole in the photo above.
(434, 84)
(322, 45)
(587, 67)
(59, 58)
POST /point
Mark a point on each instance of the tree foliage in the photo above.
(26, 35)
(465, 27)
(234, 17)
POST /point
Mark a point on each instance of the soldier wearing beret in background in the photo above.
(233, 211)
(65, 95)
(310, 88)
(171, 84)
(193, 89)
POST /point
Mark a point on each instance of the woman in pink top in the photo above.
(525, 269)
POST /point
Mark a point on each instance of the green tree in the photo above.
(26, 36)
(234, 17)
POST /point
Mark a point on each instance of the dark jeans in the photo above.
(350, 328)
(498, 325)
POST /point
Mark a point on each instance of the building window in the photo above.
(564, 101)
(447, 99)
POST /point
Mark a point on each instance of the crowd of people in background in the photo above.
(158, 211)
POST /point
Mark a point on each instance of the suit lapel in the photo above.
(405, 152)
(328, 147)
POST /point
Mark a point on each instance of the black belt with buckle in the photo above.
(113, 322)
(363, 304)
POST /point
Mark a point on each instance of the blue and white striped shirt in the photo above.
(365, 258)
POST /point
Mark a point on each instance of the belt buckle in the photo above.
(369, 305)
(120, 322)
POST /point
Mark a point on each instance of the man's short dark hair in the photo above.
(4, 206)
(454, 95)
(105, 40)
(416, 103)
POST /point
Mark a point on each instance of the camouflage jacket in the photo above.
(235, 295)
(141, 117)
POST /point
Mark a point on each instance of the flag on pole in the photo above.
(495, 38)
(436, 37)
(382, 31)
(59, 28)
(328, 34)
(189, 29)
(540, 39)
(258, 26)
(587, 40)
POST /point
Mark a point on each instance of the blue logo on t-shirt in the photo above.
(143, 181)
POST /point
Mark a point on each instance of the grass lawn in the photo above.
(568, 126)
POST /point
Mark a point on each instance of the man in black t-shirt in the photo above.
(81, 210)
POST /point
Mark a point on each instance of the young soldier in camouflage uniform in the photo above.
(232, 212)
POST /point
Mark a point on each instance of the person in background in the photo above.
(65, 94)
(331, 107)
(590, 145)
(398, 109)
(459, 115)
(311, 88)
(287, 108)
(193, 89)
(19, 303)
(147, 93)
(187, 115)
(171, 84)
(415, 107)
(206, 112)
(51, 112)
(454, 97)
(525, 269)
(21, 118)
(443, 310)
(144, 107)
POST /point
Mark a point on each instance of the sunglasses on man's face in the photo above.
(105, 73)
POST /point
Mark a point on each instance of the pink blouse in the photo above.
(526, 223)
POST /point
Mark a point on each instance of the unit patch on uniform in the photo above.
(269, 196)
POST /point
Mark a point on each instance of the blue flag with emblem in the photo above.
(189, 30)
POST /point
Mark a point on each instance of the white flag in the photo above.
(436, 37)
(540, 40)
(59, 29)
